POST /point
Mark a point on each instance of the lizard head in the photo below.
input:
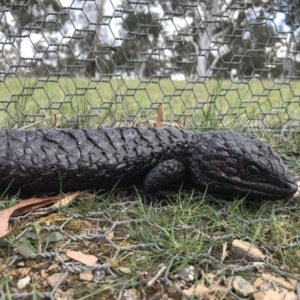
(237, 165)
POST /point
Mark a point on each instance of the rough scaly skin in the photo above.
(223, 162)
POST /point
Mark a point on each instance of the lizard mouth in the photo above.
(290, 187)
(259, 190)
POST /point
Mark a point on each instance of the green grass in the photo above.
(191, 228)
(80, 103)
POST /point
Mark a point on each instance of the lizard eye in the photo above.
(253, 171)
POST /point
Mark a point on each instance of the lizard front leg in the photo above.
(164, 174)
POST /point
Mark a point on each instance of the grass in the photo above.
(134, 241)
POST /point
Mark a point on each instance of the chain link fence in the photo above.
(205, 64)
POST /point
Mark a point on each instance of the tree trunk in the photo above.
(205, 37)
(140, 69)
(288, 68)
(201, 47)
(90, 65)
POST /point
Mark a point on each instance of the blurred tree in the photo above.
(92, 38)
(141, 33)
(23, 18)
(194, 38)
(253, 51)
(287, 12)
(292, 19)
(89, 49)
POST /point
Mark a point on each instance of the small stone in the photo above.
(290, 296)
(242, 287)
(61, 295)
(258, 282)
(124, 270)
(24, 271)
(99, 275)
(86, 275)
(186, 275)
(45, 283)
(21, 264)
(23, 282)
(241, 249)
(268, 295)
(258, 296)
(298, 191)
(293, 282)
(54, 279)
(131, 294)
(52, 267)
(43, 273)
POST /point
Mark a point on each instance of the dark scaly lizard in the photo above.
(223, 162)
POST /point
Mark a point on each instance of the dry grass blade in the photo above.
(160, 117)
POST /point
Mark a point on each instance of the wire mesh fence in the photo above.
(113, 63)
(205, 64)
(123, 239)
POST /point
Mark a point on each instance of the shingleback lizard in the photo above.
(225, 163)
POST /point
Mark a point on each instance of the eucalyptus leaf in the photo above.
(25, 249)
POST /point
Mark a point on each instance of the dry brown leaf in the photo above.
(160, 117)
(89, 260)
(19, 209)
(64, 201)
(29, 205)
(32, 204)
